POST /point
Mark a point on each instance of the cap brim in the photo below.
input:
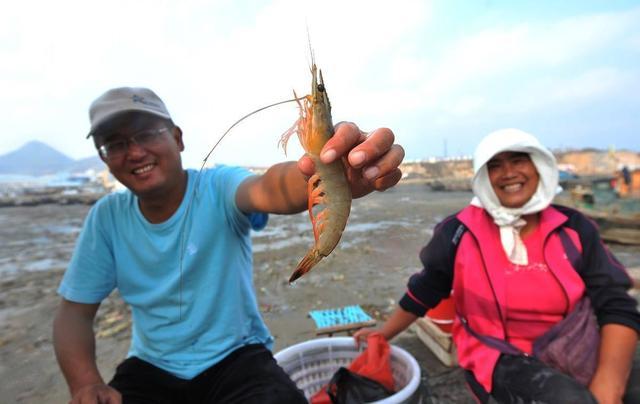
(116, 114)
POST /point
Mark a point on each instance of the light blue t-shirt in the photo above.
(185, 317)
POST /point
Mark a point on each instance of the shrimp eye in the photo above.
(321, 88)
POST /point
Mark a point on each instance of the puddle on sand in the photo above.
(284, 236)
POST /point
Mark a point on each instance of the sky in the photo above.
(441, 74)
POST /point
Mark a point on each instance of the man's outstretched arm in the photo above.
(371, 163)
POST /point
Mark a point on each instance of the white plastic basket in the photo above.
(311, 364)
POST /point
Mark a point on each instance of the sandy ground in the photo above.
(378, 252)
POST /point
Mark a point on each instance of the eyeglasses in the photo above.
(119, 148)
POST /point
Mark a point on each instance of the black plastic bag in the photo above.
(347, 387)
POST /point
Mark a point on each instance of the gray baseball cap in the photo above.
(125, 99)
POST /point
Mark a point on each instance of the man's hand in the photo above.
(96, 394)
(371, 160)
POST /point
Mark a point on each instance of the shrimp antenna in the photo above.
(313, 56)
(183, 231)
(242, 119)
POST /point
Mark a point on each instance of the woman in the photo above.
(504, 258)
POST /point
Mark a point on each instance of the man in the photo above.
(177, 247)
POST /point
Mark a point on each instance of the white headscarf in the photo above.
(510, 219)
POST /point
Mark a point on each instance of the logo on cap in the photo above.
(141, 100)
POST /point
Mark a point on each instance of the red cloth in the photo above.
(374, 362)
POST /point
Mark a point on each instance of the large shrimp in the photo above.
(328, 189)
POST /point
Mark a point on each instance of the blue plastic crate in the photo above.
(339, 316)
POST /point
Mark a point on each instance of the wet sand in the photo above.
(377, 254)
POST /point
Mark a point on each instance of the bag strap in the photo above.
(502, 345)
(492, 342)
(570, 249)
(457, 235)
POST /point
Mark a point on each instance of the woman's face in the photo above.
(514, 178)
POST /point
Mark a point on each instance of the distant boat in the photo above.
(618, 218)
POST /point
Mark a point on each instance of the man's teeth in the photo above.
(512, 187)
(144, 169)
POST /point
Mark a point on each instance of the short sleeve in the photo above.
(258, 220)
(225, 183)
(91, 276)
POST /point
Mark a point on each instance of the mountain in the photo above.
(38, 158)
(87, 163)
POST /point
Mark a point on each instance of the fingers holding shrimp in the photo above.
(372, 160)
(373, 164)
(382, 163)
(357, 146)
(372, 147)
(306, 166)
(346, 136)
(387, 181)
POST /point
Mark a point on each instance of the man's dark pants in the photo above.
(248, 375)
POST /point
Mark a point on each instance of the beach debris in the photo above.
(116, 320)
(113, 330)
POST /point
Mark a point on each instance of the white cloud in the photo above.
(502, 51)
(212, 62)
(592, 84)
(634, 43)
(466, 105)
(542, 97)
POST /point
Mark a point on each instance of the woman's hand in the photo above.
(615, 356)
(603, 392)
(395, 324)
(361, 335)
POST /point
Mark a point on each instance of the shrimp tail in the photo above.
(305, 265)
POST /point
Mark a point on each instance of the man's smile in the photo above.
(144, 169)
